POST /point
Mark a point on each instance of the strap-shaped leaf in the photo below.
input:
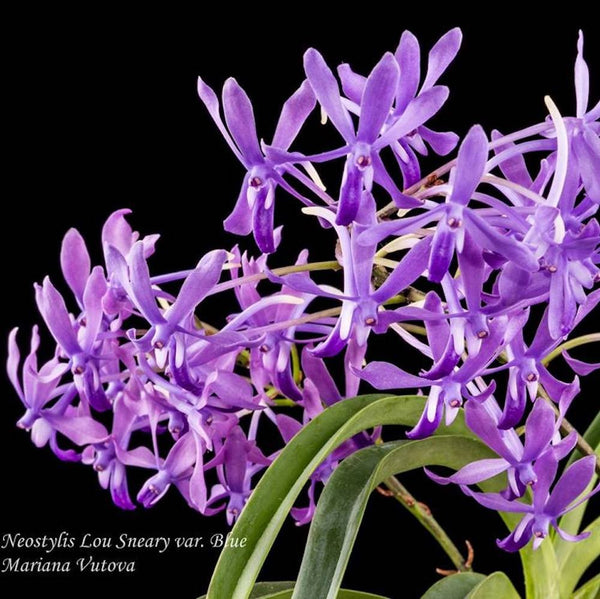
(267, 590)
(571, 521)
(590, 590)
(579, 559)
(574, 558)
(269, 504)
(456, 586)
(284, 590)
(496, 586)
(344, 500)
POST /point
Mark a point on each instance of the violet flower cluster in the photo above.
(140, 379)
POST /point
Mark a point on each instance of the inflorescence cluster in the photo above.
(506, 227)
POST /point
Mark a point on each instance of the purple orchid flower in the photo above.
(254, 209)
(526, 372)
(547, 505)
(361, 150)
(454, 217)
(237, 461)
(78, 341)
(447, 388)
(360, 303)
(194, 289)
(270, 362)
(40, 387)
(408, 58)
(517, 459)
(183, 468)
(110, 456)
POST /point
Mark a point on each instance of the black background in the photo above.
(103, 114)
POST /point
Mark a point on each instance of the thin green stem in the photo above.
(570, 344)
(284, 270)
(426, 519)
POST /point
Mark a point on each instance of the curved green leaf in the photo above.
(495, 586)
(590, 590)
(592, 436)
(344, 500)
(456, 586)
(266, 510)
(571, 521)
(267, 590)
(284, 590)
(579, 559)
(574, 558)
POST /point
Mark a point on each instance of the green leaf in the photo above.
(456, 586)
(344, 499)
(496, 586)
(590, 590)
(283, 590)
(574, 558)
(592, 436)
(267, 590)
(579, 559)
(269, 504)
(571, 521)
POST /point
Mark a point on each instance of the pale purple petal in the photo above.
(350, 193)
(417, 112)
(578, 366)
(52, 307)
(519, 537)
(240, 219)
(539, 430)
(197, 285)
(442, 251)
(327, 92)
(441, 143)
(75, 262)
(470, 165)
(472, 473)
(314, 369)
(92, 302)
(141, 286)
(353, 85)
(571, 485)
(586, 147)
(82, 430)
(497, 502)
(572, 538)
(489, 238)
(377, 98)
(240, 120)
(263, 218)
(12, 363)
(430, 418)
(481, 422)
(383, 375)
(208, 96)
(513, 168)
(407, 272)
(441, 55)
(408, 55)
(293, 114)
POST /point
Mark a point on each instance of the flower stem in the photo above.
(570, 344)
(424, 516)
